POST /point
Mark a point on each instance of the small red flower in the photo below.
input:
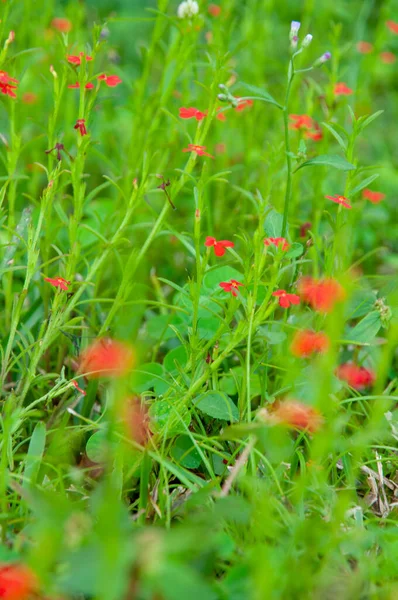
(219, 247)
(364, 47)
(297, 415)
(243, 104)
(220, 116)
(356, 376)
(6, 86)
(307, 342)
(199, 150)
(339, 200)
(17, 582)
(392, 26)
(214, 10)
(63, 25)
(374, 197)
(106, 358)
(88, 86)
(285, 299)
(58, 282)
(231, 286)
(192, 113)
(110, 80)
(388, 58)
(341, 89)
(76, 60)
(29, 98)
(279, 242)
(81, 126)
(76, 385)
(136, 420)
(304, 228)
(321, 294)
(300, 122)
(315, 135)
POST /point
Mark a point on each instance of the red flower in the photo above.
(364, 47)
(77, 59)
(81, 126)
(304, 228)
(243, 104)
(221, 116)
(219, 247)
(110, 80)
(17, 582)
(316, 134)
(374, 197)
(136, 419)
(356, 377)
(58, 282)
(231, 286)
(341, 89)
(214, 10)
(321, 294)
(388, 58)
(300, 122)
(88, 86)
(29, 98)
(285, 299)
(192, 113)
(76, 385)
(297, 415)
(392, 26)
(339, 200)
(106, 358)
(6, 86)
(278, 242)
(307, 342)
(63, 25)
(199, 150)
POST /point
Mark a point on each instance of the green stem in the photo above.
(288, 191)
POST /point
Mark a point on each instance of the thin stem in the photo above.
(288, 191)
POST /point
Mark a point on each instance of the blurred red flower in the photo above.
(231, 286)
(315, 134)
(88, 86)
(294, 413)
(374, 197)
(81, 126)
(278, 242)
(388, 58)
(6, 86)
(392, 26)
(58, 282)
(214, 10)
(63, 25)
(110, 80)
(341, 89)
(29, 98)
(364, 47)
(17, 582)
(307, 342)
(356, 376)
(321, 294)
(304, 228)
(219, 247)
(192, 113)
(300, 122)
(243, 104)
(76, 60)
(106, 358)
(339, 200)
(137, 421)
(285, 299)
(199, 150)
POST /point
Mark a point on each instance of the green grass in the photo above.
(175, 479)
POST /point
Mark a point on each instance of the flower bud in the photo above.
(307, 40)
(322, 59)
(293, 35)
(222, 98)
(53, 72)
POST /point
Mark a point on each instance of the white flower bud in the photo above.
(307, 40)
(187, 9)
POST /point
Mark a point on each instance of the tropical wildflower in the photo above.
(364, 47)
(357, 377)
(192, 113)
(279, 242)
(220, 246)
(214, 10)
(285, 299)
(242, 104)
(17, 582)
(61, 24)
(88, 86)
(392, 26)
(339, 200)
(321, 294)
(58, 282)
(341, 89)
(110, 80)
(373, 197)
(304, 228)
(307, 342)
(81, 126)
(6, 84)
(388, 58)
(106, 358)
(76, 59)
(300, 122)
(199, 150)
(295, 414)
(231, 286)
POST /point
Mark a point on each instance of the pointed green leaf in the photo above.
(328, 160)
(217, 405)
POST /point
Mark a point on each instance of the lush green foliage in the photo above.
(188, 475)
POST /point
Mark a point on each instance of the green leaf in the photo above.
(185, 453)
(214, 277)
(273, 224)
(217, 405)
(34, 455)
(367, 328)
(161, 412)
(328, 160)
(96, 446)
(336, 135)
(262, 94)
(364, 122)
(147, 376)
(177, 357)
(363, 184)
(295, 250)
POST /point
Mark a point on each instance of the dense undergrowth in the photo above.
(198, 300)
